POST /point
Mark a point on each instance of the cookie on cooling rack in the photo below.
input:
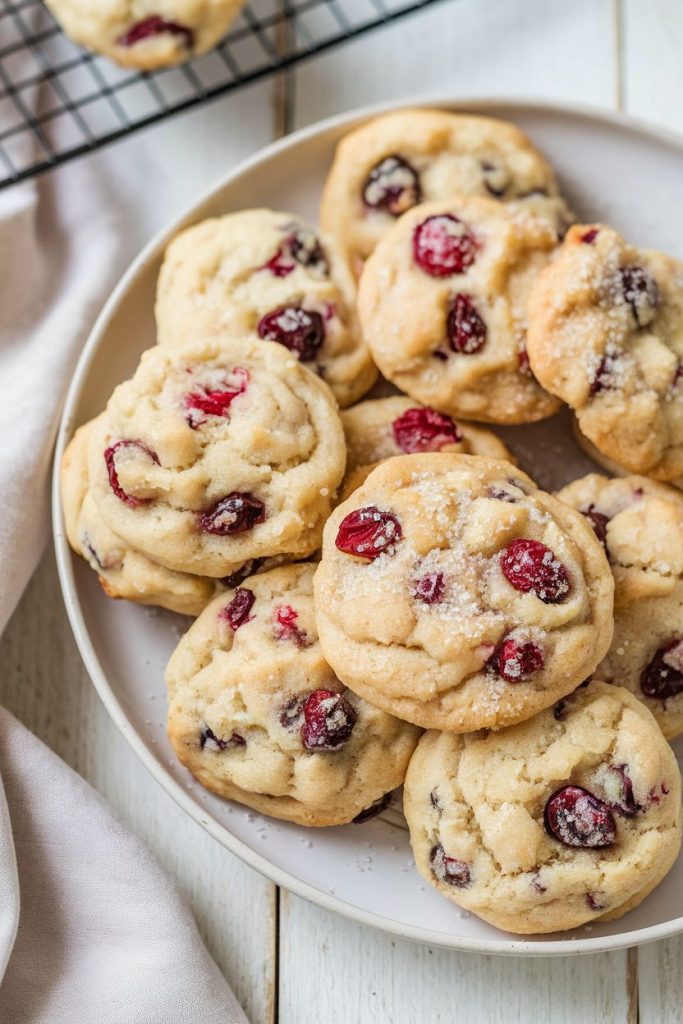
(146, 35)
(216, 453)
(267, 275)
(442, 304)
(455, 594)
(571, 817)
(606, 336)
(258, 716)
(640, 523)
(398, 160)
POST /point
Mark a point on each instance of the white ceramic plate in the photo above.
(611, 169)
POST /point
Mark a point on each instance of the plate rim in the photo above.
(514, 945)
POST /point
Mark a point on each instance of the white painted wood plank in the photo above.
(334, 970)
(659, 982)
(45, 685)
(652, 42)
(531, 48)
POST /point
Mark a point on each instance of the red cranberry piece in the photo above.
(424, 430)
(110, 461)
(237, 577)
(515, 661)
(641, 293)
(577, 818)
(500, 494)
(291, 714)
(598, 521)
(209, 741)
(373, 810)
(236, 513)
(523, 362)
(430, 588)
(663, 676)
(301, 246)
(392, 185)
(300, 330)
(215, 401)
(367, 532)
(237, 613)
(531, 567)
(618, 789)
(593, 900)
(602, 379)
(156, 26)
(465, 328)
(286, 629)
(434, 801)
(588, 237)
(443, 245)
(328, 720)
(449, 869)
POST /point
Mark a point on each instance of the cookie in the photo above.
(216, 453)
(398, 160)
(258, 716)
(383, 427)
(442, 304)
(143, 34)
(266, 275)
(606, 336)
(453, 593)
(571, 817)
(640, 523)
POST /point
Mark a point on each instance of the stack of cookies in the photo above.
(383, 596)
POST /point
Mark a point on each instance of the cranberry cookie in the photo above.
(267, 275)
(146, 34)
(396, 161)
(606, 336)
(442, 304)
(640, 523)
(455, 594)
(573, 816)
(257, 715)
(216, 453)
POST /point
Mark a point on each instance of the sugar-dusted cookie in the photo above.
(265, 274)
(606, 336)
(442, 303)
(258, 716)
(455, 594)
(400, 159)
(216, 453)
(573, 816)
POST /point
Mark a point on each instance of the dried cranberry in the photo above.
(300, 330)
(663, 676)
(367, 532)
(531, 567)
(424, 430)
(449, 869)
(209, 741)
(618, 788)
(430, 588)
(215, 401)
(373, 810)
(328, 720)
(236, 613)
(291, 714)
(392, 185)
(523, 364)
(496, 178)
(577, 818)
(465, 328)
(301, 246)
(537, 885)
(641, 293)
(443, 245)
(236, 513)
(515, 661)
(248, 569)
(156, 26)
(500, 494)
(589, 236)
(602, 379)
(593, 901)
(286, 626)
(110, 461)
(598, 521)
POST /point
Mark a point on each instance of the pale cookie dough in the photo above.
(442, 304)
(398, 160)
(258, 716)
(640, 522)
(571, 817)
(455, 594)
(606, 336)
(266, 274)
(146, 34)
(216, 453)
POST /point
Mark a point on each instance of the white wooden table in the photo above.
(289, 961)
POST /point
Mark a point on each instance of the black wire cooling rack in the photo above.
(57, 101)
